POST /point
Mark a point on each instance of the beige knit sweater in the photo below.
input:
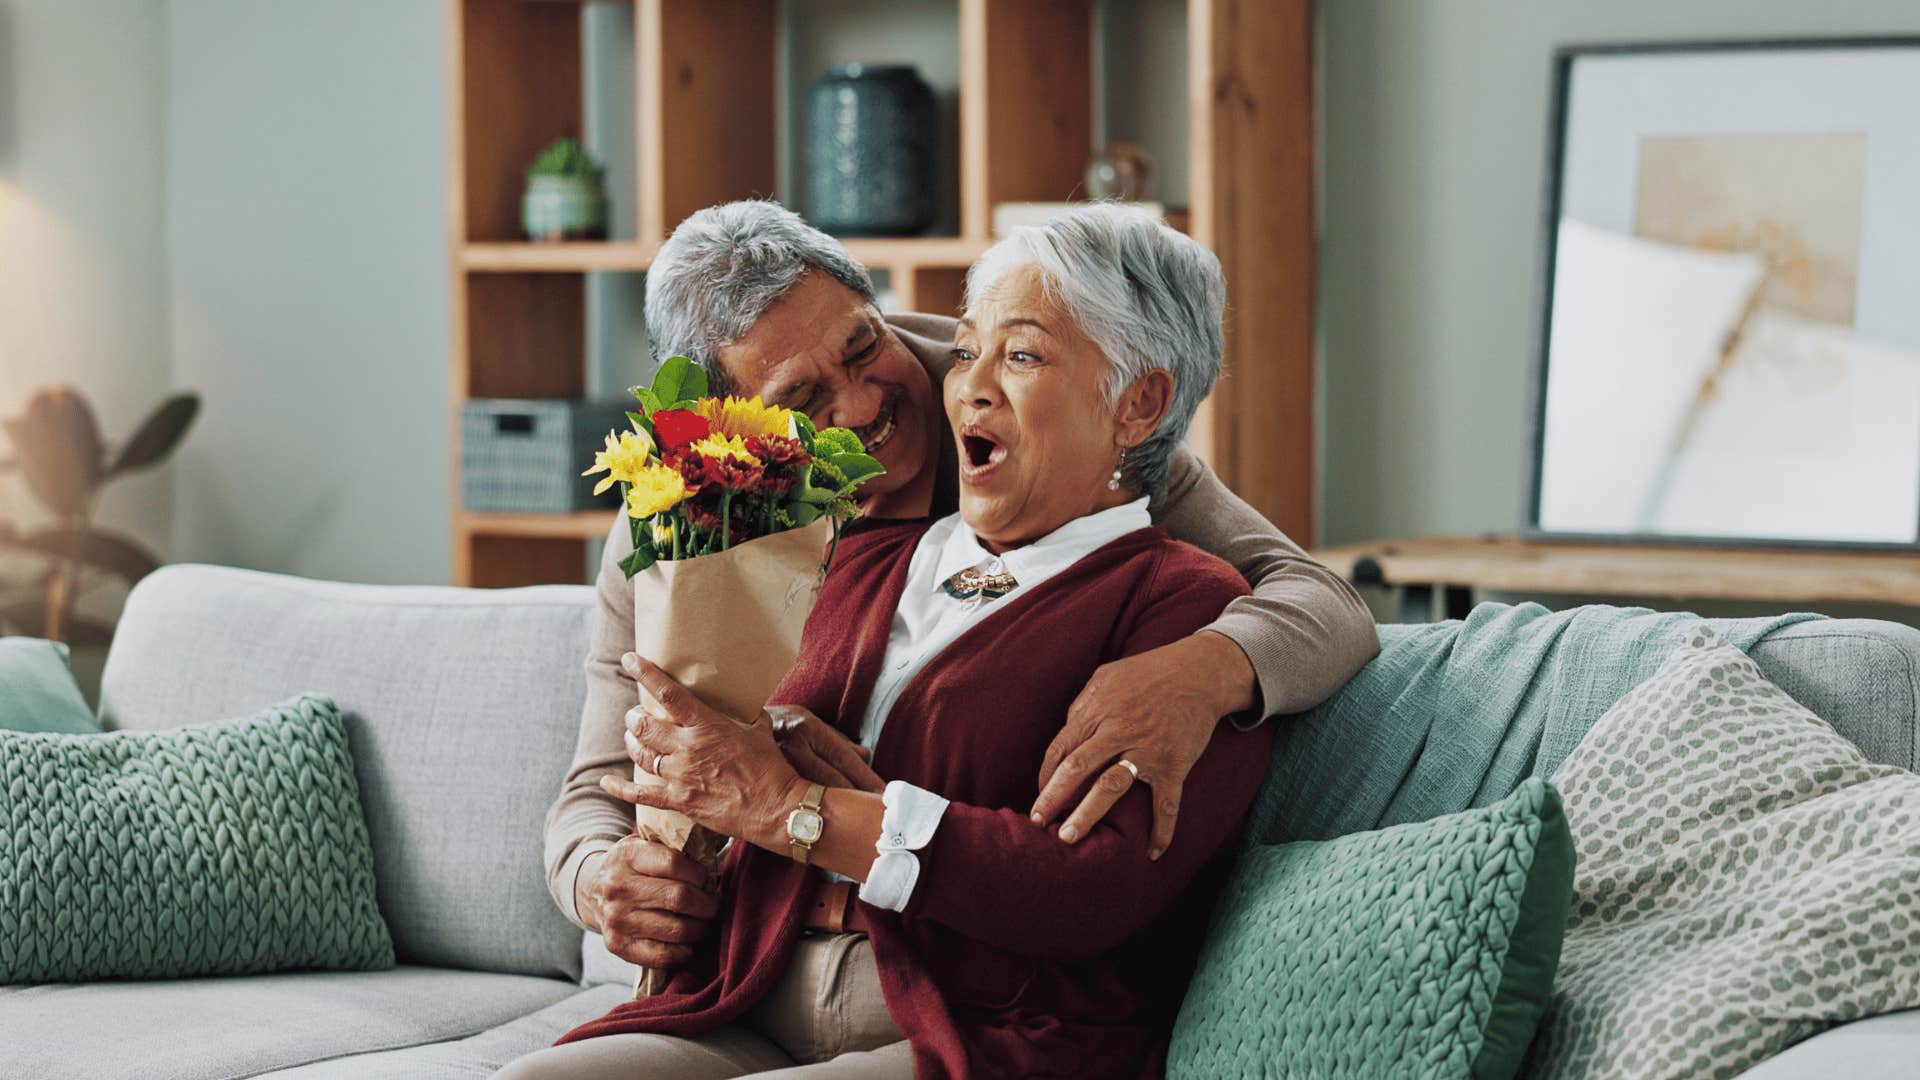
(1304, 628)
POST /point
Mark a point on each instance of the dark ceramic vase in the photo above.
(871, 131)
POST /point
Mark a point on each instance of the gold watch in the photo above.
(804, 823)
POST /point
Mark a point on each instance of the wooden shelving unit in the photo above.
(706, 109)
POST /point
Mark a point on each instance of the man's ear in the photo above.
(1143, 404)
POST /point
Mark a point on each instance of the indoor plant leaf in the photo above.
(57, 445)
(158, 435)
(75, 629)
(106, 551)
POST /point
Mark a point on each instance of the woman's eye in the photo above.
(1023, 357)
(961, 356)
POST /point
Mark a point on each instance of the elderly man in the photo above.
(770, 306)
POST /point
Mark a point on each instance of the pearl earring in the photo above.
(1114, 483)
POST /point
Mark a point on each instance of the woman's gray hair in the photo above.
(721, 270)
(1148, 295)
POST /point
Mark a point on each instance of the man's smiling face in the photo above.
(825, 351)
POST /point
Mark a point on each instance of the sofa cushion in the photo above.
(475, 1057)
(222, 1028)
(1877, 1048)
(37, 691)
(1431, 944)
(1747, 878)
(461, 705)
(226, 848)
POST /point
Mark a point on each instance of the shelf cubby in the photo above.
(712, 105)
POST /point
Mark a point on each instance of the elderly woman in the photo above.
(951, 650)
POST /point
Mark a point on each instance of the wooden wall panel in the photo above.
(707, 106)
(1026, 104)
(516, 69)
(1252, 183)
(525, 336)
(506, 562)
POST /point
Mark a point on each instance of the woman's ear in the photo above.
(1143, 404)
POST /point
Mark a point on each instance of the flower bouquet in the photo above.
(735, 508)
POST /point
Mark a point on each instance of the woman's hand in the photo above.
(819, 752)
(651, 903)
(730, 777)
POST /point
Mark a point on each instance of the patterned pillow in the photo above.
(220, 849)
(1425, 949)
(1747, 878)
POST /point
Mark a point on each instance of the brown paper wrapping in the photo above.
(727, 626)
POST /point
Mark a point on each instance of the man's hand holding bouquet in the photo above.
(734, 508)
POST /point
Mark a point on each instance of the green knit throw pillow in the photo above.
(1421, 950)
(228, 848)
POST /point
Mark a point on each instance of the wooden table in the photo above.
(1436, 575)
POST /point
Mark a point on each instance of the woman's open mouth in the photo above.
(980, 453)
(875, 435)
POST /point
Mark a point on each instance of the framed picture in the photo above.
(1729, 321)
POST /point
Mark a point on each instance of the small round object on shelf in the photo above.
(1120, 171)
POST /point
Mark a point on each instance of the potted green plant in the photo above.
(564, 198)
(58, 451)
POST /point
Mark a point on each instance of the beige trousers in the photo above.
(825, 1017)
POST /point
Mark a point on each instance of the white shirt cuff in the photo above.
(908, 823)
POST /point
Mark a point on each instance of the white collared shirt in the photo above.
(928, 620)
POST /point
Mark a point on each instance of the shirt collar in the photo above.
(1069, 542)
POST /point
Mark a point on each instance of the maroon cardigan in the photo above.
(1018, 954)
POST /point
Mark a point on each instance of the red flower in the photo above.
(675, 428)
(777, 449)
(699, 472)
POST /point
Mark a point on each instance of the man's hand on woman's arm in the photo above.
(1156, 709)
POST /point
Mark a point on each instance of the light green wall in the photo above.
(82, 288)
(306, 248)
(82, 274)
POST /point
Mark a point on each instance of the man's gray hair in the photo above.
(721, 270)
(1148, 295)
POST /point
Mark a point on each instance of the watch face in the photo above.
(804, 826)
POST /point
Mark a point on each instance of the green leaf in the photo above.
(803, 514)
(670, 379)
(638, 560)
(804, 425)
(856, 468)
(817, 496)
(158, 435)
(649, 401)
(695, 384)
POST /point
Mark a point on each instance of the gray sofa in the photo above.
(462, 708)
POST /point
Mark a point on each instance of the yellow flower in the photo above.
(735, 416)
(654, 489)
(622, 460)
(663, 534)
(724, 446)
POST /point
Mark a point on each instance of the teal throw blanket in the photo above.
(1456, 715)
